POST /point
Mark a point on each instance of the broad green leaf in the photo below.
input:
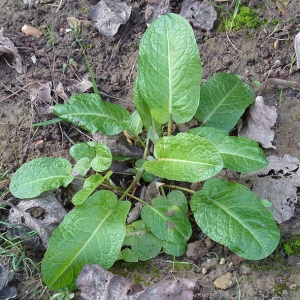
(92, 233)
(185, 157)
(154, 129)
(239, 154)
(81, 150)
(232, 215)
(40, 175)
(136, 124)
(81, 167)
(147, 176)
(178, 198)
(167, 221)
(139, 243)
(88, 111)
(89, 186)
(174, 249)
(103, 158)
(223, 100)
(169, 69)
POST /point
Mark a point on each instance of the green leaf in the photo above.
(167, 222)
(169, 69)
(154, 129)
(232, 215)
(185, 157)
(88, 111)
(174, 249)
(81, 150)
(103, 158)
(48, 122)
(89, 186)
(223, 100)
(40, 175)
(136, 124)
(178, 198)
(81, 167)
(239, 154)
(92, 233)
(139, 243)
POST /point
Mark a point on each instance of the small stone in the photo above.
(222, 261)
(204, 271)
(224, 282)
(245, 269)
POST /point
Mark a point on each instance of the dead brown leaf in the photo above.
(7, 47)
(278, 183)
(95, 283)
(259, 123)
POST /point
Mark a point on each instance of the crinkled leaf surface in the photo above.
(185, 157)
(178, 198)
(239, 154)
(81, 150)
(232, 215)
(223, 100)
(139, 243)
(40, 175)
(89, 186)
(169, 69)
(103, 158)
(167, 221)
(92, 233)
(88, 111)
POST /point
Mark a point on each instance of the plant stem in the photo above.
(175, 187)
(89, 67)
(133, 183)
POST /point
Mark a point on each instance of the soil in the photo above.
(254, 54)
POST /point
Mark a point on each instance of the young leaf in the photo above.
(139, 243)
(167, 221)
(103, 158)
(239, 154)
(223, 100)
(177, 249)
(169, 69)
(154, 129)
(92, 233)
(232, 215)
(81, 167)
(81, 150)
(89, 186)
(185, 157)
(88, 111)
(40, 175)
(136, 124)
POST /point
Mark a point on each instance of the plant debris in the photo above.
(297, 49)
(108, 15)
(95, 283)
(41, 214)
(7, 47)
(278, 183)
(259, 123)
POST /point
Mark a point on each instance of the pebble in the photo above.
(222, 261)
(245, 269)
(224, 282)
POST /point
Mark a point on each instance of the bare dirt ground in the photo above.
(250, 53)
